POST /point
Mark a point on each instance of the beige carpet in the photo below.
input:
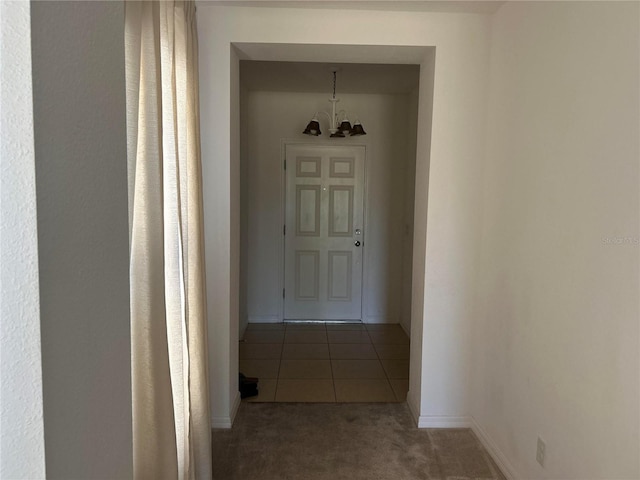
(344, 441)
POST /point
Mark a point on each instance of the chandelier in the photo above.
(339, 124)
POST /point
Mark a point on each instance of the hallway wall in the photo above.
(447, 172)
(556, 342)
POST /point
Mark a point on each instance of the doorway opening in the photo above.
(318, 313)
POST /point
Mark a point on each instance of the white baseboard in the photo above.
(227, 421)
(375, 319)
(221, 422)
(264, 319)
(235, 407)
(443, 421)
(490, 446)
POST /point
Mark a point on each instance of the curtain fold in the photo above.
(171, 425)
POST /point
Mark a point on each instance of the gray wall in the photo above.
(81, 182)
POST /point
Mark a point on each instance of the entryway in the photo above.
(348, 250)
(326, 362)
(351, 259)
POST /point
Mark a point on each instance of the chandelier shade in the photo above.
(345, 126)
(338, 129)
(357, 130)
(313, 128)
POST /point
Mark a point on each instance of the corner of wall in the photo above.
(492, 448)
(414, 406)
(444, 421)
(226, 421)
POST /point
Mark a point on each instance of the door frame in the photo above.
(283, 207)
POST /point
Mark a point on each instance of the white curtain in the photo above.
(171, 426)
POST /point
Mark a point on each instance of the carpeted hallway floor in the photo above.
(320, 441)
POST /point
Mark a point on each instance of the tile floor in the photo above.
(326, 362)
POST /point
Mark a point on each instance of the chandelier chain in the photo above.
(334, 84)
(338, 130)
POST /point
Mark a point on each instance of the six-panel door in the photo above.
(324, 232)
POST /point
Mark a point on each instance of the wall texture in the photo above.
(386, 119)
(81, 180)
(556, 338)
(21, 418)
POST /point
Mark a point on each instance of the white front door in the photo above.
(324, 232)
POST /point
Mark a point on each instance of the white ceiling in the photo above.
(451, 6)
(318, 77)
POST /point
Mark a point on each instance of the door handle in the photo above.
(357, 243)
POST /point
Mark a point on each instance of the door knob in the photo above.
(357, 244)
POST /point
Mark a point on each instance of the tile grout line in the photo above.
(380, 362)
(333, 377)
(386, 374)
(383, 369)
(275, 394)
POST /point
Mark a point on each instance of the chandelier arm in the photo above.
(332, 119)
(328, 117)
(342, 114)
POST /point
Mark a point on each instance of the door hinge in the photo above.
(283, 293)
(285, 163)
(284, 229)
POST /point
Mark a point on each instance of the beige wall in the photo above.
(276, 117)
(556, 331)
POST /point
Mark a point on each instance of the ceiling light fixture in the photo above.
(339, 124)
